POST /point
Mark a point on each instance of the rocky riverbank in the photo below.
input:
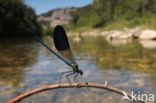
(147, 38)
(119, 34)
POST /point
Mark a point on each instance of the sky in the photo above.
(42, 6)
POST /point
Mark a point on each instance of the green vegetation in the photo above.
(49, 13)
(116, 14)
(48, 30)
(16, 18)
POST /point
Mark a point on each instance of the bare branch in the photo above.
(68, 85)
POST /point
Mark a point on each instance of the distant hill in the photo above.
(55, 17)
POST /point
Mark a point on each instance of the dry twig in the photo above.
(67, 85)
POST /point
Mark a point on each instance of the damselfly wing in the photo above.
(62, 44)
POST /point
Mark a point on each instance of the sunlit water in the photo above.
(26, 64)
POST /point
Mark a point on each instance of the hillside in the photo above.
(116, 14)
(60, 16)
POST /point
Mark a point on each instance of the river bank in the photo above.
(126, 34)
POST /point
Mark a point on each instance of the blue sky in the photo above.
(42, 6)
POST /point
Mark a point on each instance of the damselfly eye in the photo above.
(81, 72)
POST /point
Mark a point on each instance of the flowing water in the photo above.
(126, 65)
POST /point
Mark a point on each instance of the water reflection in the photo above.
(15, 55)
(150, 44)
(25, 64)
(118, 42)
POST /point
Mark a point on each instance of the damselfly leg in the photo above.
(63, 74)
(68, 74)
(75, 78)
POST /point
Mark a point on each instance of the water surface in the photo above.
(26, 64)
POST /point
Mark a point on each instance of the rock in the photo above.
(129, 34)
(148, 35)
(77, 39)
(58, 17)
(126, 35)
(61, 17)
(94, 1)
(136, 33)
(118, 35)
(93, 33)
(117, 42)
(113, 35)
(148, 44)
(104, 33)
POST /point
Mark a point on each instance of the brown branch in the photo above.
(67, 85)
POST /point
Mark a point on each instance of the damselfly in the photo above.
(62, 45)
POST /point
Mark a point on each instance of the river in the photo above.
(26, 64)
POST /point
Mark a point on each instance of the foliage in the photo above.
(16, 18)
(123, 13)
(48, 31)
(49, 13)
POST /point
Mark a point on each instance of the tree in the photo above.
(16, 18)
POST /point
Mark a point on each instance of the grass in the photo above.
(146, 22)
